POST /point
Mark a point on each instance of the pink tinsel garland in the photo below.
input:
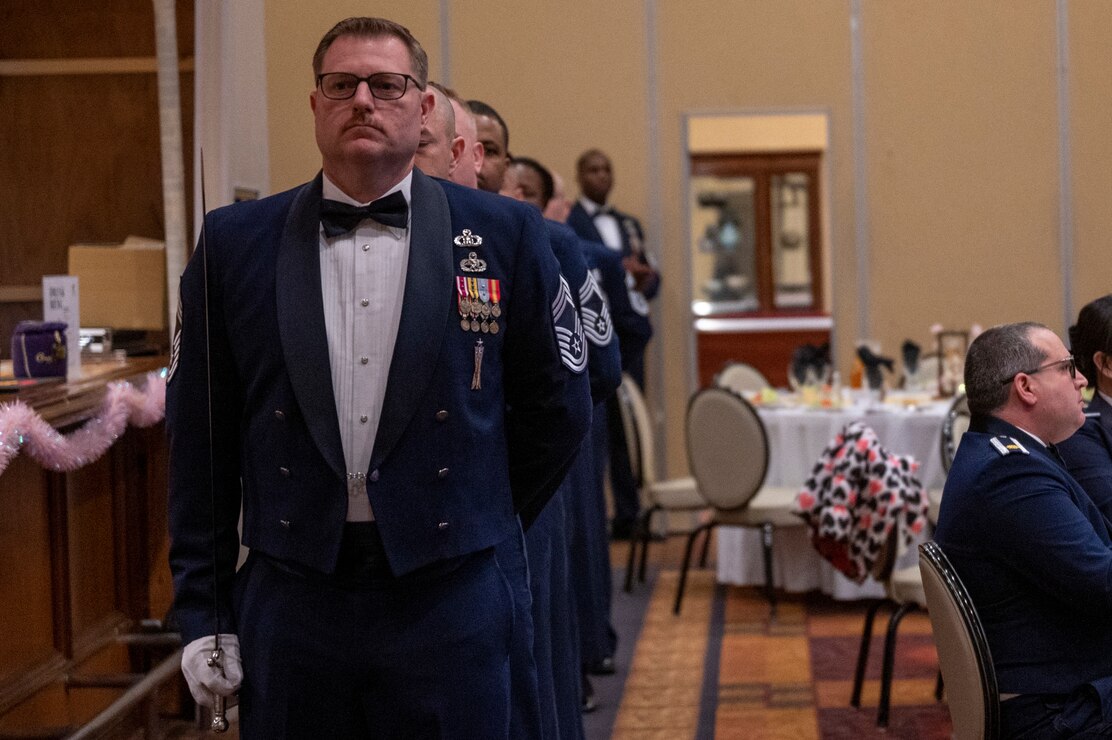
(21, 427)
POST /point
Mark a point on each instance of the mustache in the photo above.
(361, 119)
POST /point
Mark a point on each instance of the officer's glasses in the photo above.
(1072, 365)
(383, 85)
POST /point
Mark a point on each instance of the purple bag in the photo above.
(39, 349)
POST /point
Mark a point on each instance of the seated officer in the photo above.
(1027, 541)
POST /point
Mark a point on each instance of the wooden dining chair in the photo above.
(727, 449)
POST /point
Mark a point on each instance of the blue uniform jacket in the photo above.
(603, 359)
(633, 329)
(1088, 455)
(632, 235)
(451, 465)
(1036, 556)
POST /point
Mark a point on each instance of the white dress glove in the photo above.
(204, 680)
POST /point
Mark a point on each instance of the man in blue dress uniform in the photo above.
(596, 221)
(378, 366)
(1027, 541)
(572, 608)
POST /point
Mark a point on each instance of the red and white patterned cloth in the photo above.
(856, 493)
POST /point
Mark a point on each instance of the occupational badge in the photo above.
(468, 240)
(472, 262)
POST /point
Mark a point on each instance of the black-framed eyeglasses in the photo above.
(1072, 369)
(383, 85)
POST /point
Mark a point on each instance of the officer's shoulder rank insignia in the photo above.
(569, 332)
(1006, 445)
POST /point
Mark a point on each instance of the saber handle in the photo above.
(219, 703)
(219, 721)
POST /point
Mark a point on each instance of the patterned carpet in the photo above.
(723, 670)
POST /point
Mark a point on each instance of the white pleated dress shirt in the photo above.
(606, 223)
(362, 280)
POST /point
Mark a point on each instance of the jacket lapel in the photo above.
(587, 223)
(426, 305)
(301, 323)
(1099, 405)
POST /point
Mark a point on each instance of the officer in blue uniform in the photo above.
(553, 550)
(371, 603)
(598, 222)
(1027, 541)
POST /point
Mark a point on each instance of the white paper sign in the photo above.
(60, 303)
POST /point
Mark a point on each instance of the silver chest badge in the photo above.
(472, 262)
(467, 239)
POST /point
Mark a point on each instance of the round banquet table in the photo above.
(796, 438)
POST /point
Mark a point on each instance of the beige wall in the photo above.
(1090, 93)
(960, 123)
(963, 162)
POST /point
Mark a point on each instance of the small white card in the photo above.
(60, 302)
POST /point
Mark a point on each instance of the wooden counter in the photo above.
(83, 555)
(765, 342)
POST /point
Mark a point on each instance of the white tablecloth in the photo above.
(796, 438)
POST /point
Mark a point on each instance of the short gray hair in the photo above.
(374, 28)
(996, 356)
(447, 112)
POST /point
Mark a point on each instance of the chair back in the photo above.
(740, 378)
(639, 431)
(963, 652)
(955, 424)
(727, 448)
(629, 428)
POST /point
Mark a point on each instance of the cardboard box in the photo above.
(121, 286)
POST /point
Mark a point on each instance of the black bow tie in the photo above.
(603, 211)
(339, 218)
(1053, 450)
